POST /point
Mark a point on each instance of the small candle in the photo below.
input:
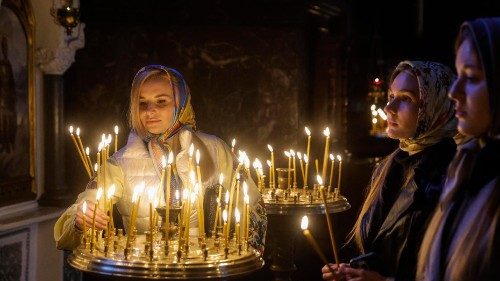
(151, 198)
(96, 206)
(270, 171)
(272, 177)
(331, 169)
(299, 155)
(116, 138)
(233, 143)
(326, 132)
(340, 171)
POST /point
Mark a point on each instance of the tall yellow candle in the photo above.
(310, 238)
(340, 171)
(306, 161)
(270, 165)
(80, 149)
(96, 206)
(225, 231)
(109, 195)
(247, 217)
(308, 133)
(116, 138)
(87, 153)
(273, 167)
(84, 211)
(326, 132)
(80, 153)
(292, 153)
(299, 155)
(201, 216)
(331, 169)
(287, 154)
(237, 220)
(328, 221)
(167, 195)
(219, 197)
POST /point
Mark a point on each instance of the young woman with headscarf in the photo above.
(462, 241)
(406, 185)
(162, 121)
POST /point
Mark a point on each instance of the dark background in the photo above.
(259, 71)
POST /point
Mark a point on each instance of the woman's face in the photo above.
(402, 108)
(470, 93)
(156, 106)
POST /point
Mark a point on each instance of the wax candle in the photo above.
(273, 167)
(308, 133)
(326, 132)
(340, 171)
(116, 138)
(310, 238)
(331, 169)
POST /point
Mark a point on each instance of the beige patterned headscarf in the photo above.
(436, 114)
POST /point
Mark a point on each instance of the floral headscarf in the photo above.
(436, 111)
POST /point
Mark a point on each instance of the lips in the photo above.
(460, 113)
(391, 123)
(152, 121)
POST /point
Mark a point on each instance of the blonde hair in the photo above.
(144, 76)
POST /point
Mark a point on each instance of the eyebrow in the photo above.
(157, 96)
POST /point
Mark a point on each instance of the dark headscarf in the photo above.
(486, 38)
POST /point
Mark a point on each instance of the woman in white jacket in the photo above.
(162, 121)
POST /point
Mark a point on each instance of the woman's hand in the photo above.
(336, 275)
(101, 219)
(360, 274)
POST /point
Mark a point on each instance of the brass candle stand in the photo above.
(284, 207)
(146, 258)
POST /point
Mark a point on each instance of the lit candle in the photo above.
(96, 206)
(331, 169)
(116, 138)
(87, 152)
(190, 159)
(287, 154)
(231, 199)
(233, 143)
(308, 133)
(270, 171)
(111, 192)
(310, 238)
(326, 132)
(151, 198)
(167, 194)
(272, 178)
(299, 155)
(328, 221)
(219, 197)
(237, 230)
(80, 152)
(224, 229)
(340, 172)
(292, 153)
(135, 200)
(247, 218)
(80, 147)
(306, 161)
(84, 210)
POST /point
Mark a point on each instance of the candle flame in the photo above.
(270, 148)
(111, 191)
(247, 199)
(339, 157)
(109, 139)
(224, 215)
(134, 197)
(84, 207)
(268, 163)
(306, 158)
(163, 161)
(170, 158)
(372, 107)
(99, 194)
(332, 157)
(197, 157)
(233, 143)
(292, 152)
(320, 180)
(308, 132)
(226, 197)
(238, 176)
(78, 131)
(87, 151)
(374, 121)
(116, 130)
(96, 167)
(382, 114)
(192, 177)
(245, 188)
(299, 155)
(71, 129)
(326, 132)
(304, 223)
(221, 178)
(237, 215)
(287, 154)
(177, 195)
